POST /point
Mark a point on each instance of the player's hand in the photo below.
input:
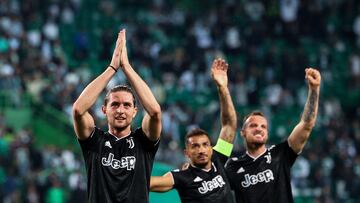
(219, 72)
(313, 77)
(115, 60)
(124, 61)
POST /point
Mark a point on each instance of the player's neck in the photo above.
(256, 151)
(206, 168)
(120, 133)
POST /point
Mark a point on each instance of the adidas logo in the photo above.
(241, 170)
(198, 179)
(107, 144)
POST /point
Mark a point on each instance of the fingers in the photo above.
(122, 35)
(221, 64)
(312, 76)
(312, 73)
(118, 45)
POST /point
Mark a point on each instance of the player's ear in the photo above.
(242, 133)
(103, 109)
(186, 152)
(135, 111)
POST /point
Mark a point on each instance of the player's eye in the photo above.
(114, 104)
(127, 105)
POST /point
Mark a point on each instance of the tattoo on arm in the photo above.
(310, 107)
(228, 116)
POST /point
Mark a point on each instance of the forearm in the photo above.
(311, 108)
(228, 114)
(301, 132)
(161, 183)
(146, 97)
(92, 91)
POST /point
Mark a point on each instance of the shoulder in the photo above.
(282, 146)
(138, 132)
(234, 161)
(181, 171)
(181, 175)
(95, 135)
(219, 158)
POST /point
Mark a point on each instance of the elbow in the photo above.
(309, 125)
(152, 185)
(155, 112)
(234, 124)
(231, 122)
(76, 110)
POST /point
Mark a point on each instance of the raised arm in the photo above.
(83, 121)
(302, 130)
(151, 123)
(228, 114)
(162, 183)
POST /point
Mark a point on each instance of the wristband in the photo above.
(223, 147)
(113, 68)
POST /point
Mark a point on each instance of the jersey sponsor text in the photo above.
(127, 162)
(207, 186)
(264, 176)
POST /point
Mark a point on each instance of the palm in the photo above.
(220, 77)
(115, 61)
(123, 56)
(219, 72)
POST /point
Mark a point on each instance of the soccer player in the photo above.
(118, 161)
(263, 174)
(204, 180)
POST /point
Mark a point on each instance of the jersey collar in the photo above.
(254, 158)
(117, 139)
(206, 170)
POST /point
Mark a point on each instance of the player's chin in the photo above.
(201, 164)
(120, 125)
(259, 141)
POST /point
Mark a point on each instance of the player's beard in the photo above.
(255, 144)
(120, 127)
(201, 165)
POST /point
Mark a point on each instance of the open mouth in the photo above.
(202, 157)
(120, 118)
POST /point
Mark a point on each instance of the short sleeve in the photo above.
(287, 153)
(91, 143)
(146, 142)
(219, 157)
(178, 178)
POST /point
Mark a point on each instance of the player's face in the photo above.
(199, 151)
(120, 109)
(255, 130)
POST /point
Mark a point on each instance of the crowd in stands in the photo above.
(52, 49)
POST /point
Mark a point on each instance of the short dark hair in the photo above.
(253, 113)
(119, 88)
(195, 132)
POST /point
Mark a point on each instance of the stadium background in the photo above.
(49, 51)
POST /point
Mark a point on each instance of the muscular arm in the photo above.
(302, 130)
(82, 120)
(162, 183)
(228, 113)
(151, 123)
